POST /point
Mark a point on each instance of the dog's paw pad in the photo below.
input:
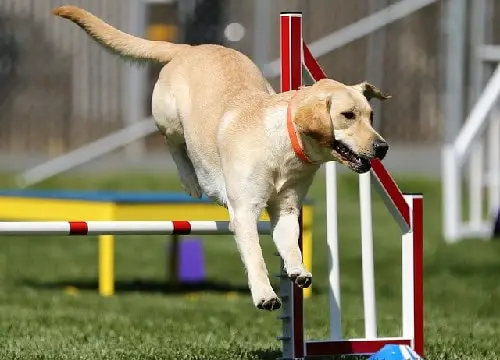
(269, 304)
(301, 279)
(266, 299)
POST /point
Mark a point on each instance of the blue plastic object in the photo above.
(395, 352)
(191, 265)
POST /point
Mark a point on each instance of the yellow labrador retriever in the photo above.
(246, 147)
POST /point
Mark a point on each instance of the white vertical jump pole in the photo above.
(412, 274)
(367, 256)
(333, 251)
(408, 277)
(479, 34)
(494, 163)
(452, 193)
(476, 180)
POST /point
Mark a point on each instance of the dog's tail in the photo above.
(125, 45)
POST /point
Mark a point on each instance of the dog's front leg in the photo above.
(285, 231)
(244, 224)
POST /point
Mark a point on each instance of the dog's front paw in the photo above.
(300, 277)
(266, 300)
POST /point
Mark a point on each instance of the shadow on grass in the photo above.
(267, 354)
(149, 286)
(142, 285)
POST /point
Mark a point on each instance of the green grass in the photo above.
(148, 319)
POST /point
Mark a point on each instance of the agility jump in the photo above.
(407, 210)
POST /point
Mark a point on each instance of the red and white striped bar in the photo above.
(121, 228)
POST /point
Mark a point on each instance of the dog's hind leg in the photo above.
(185, 169)
(168, 122)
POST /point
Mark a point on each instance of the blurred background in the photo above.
(59, 91)
(74, 117)
(64, 99)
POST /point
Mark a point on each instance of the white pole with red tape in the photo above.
(121, 228)
(407, 210)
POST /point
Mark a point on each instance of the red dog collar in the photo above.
(292, 134)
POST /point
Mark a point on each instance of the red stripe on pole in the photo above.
(295, 83)
(285, 53)
(418, 273)
(291, 79)
(181, 228)
(295, 52)
(392, 189)
(312, 64)
(350, 347)
(78, 228)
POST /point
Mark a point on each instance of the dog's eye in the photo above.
(348, 114)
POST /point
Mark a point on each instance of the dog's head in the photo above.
(337, 121)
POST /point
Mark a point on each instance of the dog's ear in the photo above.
(370, 91)
(313, 119)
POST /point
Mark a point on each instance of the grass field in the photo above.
(49, 308)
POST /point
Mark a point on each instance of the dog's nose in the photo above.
(380, 148)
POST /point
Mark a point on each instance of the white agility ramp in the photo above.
(472, 144)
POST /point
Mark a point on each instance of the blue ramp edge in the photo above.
(395, 352)
(122, 197)
(106, 196)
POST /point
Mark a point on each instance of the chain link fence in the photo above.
(59, 90)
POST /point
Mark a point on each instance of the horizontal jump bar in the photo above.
(121, 227)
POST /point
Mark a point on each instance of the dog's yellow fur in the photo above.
(226, 130)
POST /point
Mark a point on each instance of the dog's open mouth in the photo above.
(355, 162)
